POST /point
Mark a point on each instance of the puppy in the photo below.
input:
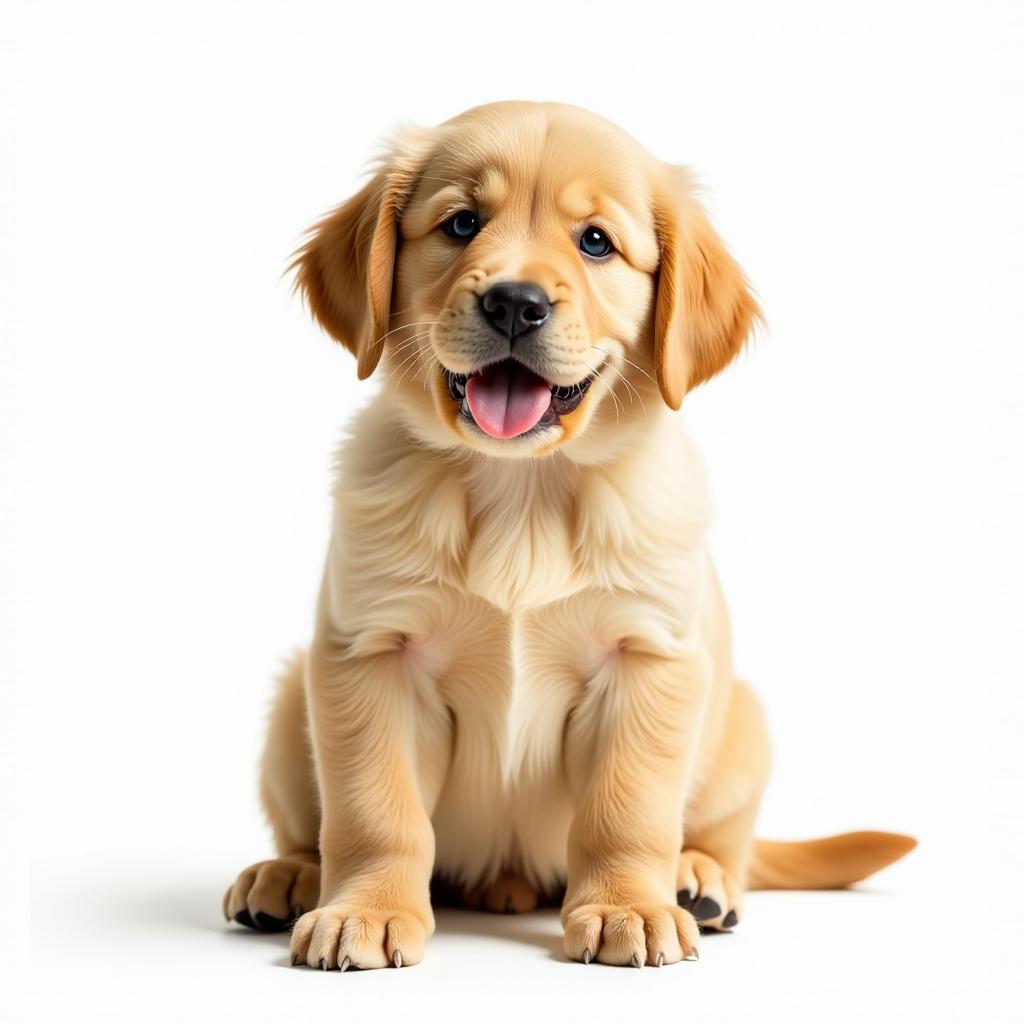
(520, 682)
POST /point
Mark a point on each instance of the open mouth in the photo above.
(507, 399)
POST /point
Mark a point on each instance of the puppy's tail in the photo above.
(831, 863)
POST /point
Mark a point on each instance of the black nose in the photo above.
(515, 307)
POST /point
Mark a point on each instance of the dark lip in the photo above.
(565, 398)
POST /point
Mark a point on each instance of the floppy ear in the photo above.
(346, 267)
(704, 310)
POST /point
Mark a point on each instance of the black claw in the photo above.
(296, 960)
(706, 908)
(243, 917)
(269, 923)
(730, 920)
(684, 898)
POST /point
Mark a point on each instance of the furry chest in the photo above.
(505, 802)
(514, 575)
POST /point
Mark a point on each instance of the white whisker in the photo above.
(632, 390)
(418, 354)
(408, 341)
(413, 355)
(402, 327)
(639, 369)
(611, 391)
(427, 370)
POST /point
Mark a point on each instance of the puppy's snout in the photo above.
(515, 308)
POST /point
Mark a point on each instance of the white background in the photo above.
(169, 413)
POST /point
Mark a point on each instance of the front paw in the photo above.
(630, 936)
(343, 935)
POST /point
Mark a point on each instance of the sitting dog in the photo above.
(519, 684)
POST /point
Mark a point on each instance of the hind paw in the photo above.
(270, 895)
(708, 891)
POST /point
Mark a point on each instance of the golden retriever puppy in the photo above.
(519, 682)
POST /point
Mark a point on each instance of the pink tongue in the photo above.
(507, 399)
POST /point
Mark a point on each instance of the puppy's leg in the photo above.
(630, 747)
(376, 839)
(719, 828)
(270, 894)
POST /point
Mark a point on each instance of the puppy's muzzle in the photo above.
(510, 392)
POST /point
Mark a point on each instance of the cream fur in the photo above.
(520, 676)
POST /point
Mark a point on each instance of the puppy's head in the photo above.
(530, 280)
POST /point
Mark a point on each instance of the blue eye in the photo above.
(464, 225)
(595, 243)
